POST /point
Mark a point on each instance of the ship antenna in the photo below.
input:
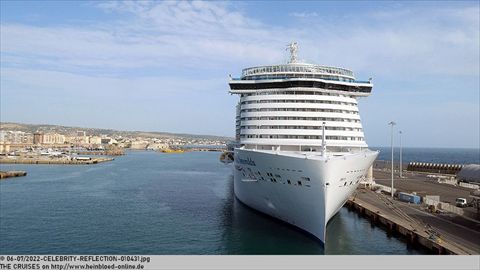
(293, 47)
(324, 143)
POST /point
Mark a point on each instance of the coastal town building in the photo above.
(53, 138)
(15, 137)
(13, 140)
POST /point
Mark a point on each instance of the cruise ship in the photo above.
(300, 151)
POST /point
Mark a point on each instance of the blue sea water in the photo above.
(433, 155)
(154, 203)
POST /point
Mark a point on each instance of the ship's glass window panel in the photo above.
(299, 183)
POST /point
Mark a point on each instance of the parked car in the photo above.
(461, 202)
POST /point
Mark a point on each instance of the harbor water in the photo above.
(152, 203)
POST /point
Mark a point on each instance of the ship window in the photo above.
(288, 181)
(344, 184)
(299, 183)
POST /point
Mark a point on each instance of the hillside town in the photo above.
(12, 141)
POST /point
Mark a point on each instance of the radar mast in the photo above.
(293, 47)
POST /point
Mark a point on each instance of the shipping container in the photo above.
(407, 197)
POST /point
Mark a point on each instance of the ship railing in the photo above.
(286, 77)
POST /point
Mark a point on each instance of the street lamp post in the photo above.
(391, 142)
(401, 168)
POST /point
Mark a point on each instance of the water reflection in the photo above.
(246, 231)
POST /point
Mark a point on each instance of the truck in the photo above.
(461, 202)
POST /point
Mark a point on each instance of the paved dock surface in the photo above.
(423, 185)
(455, 233)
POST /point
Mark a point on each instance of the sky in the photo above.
(164, 66)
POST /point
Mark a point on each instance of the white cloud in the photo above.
(402, 42)
(212, 34)
(156, 34)
(304, 14)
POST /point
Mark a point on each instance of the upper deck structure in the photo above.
(285, 107)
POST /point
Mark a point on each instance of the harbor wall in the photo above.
(393, 225)
(442, 168)
(53, 161)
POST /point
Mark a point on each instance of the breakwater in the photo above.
(83, 161)
(108, 152)
(434, 167)
(8, 174)
(428, 167)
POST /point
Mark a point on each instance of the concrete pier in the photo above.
(440, 230)
(413, 229)
(53, 161)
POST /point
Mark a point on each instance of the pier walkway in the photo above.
(440, 233)
(423, 185)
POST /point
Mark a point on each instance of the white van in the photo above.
(461, 202)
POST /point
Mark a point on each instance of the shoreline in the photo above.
(54, 161)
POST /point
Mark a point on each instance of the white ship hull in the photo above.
(319, 186)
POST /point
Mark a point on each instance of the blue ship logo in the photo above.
(247, 161)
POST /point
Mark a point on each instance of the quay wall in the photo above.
(394, 225)
(53, 161)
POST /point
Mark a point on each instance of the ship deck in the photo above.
(312, 155)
